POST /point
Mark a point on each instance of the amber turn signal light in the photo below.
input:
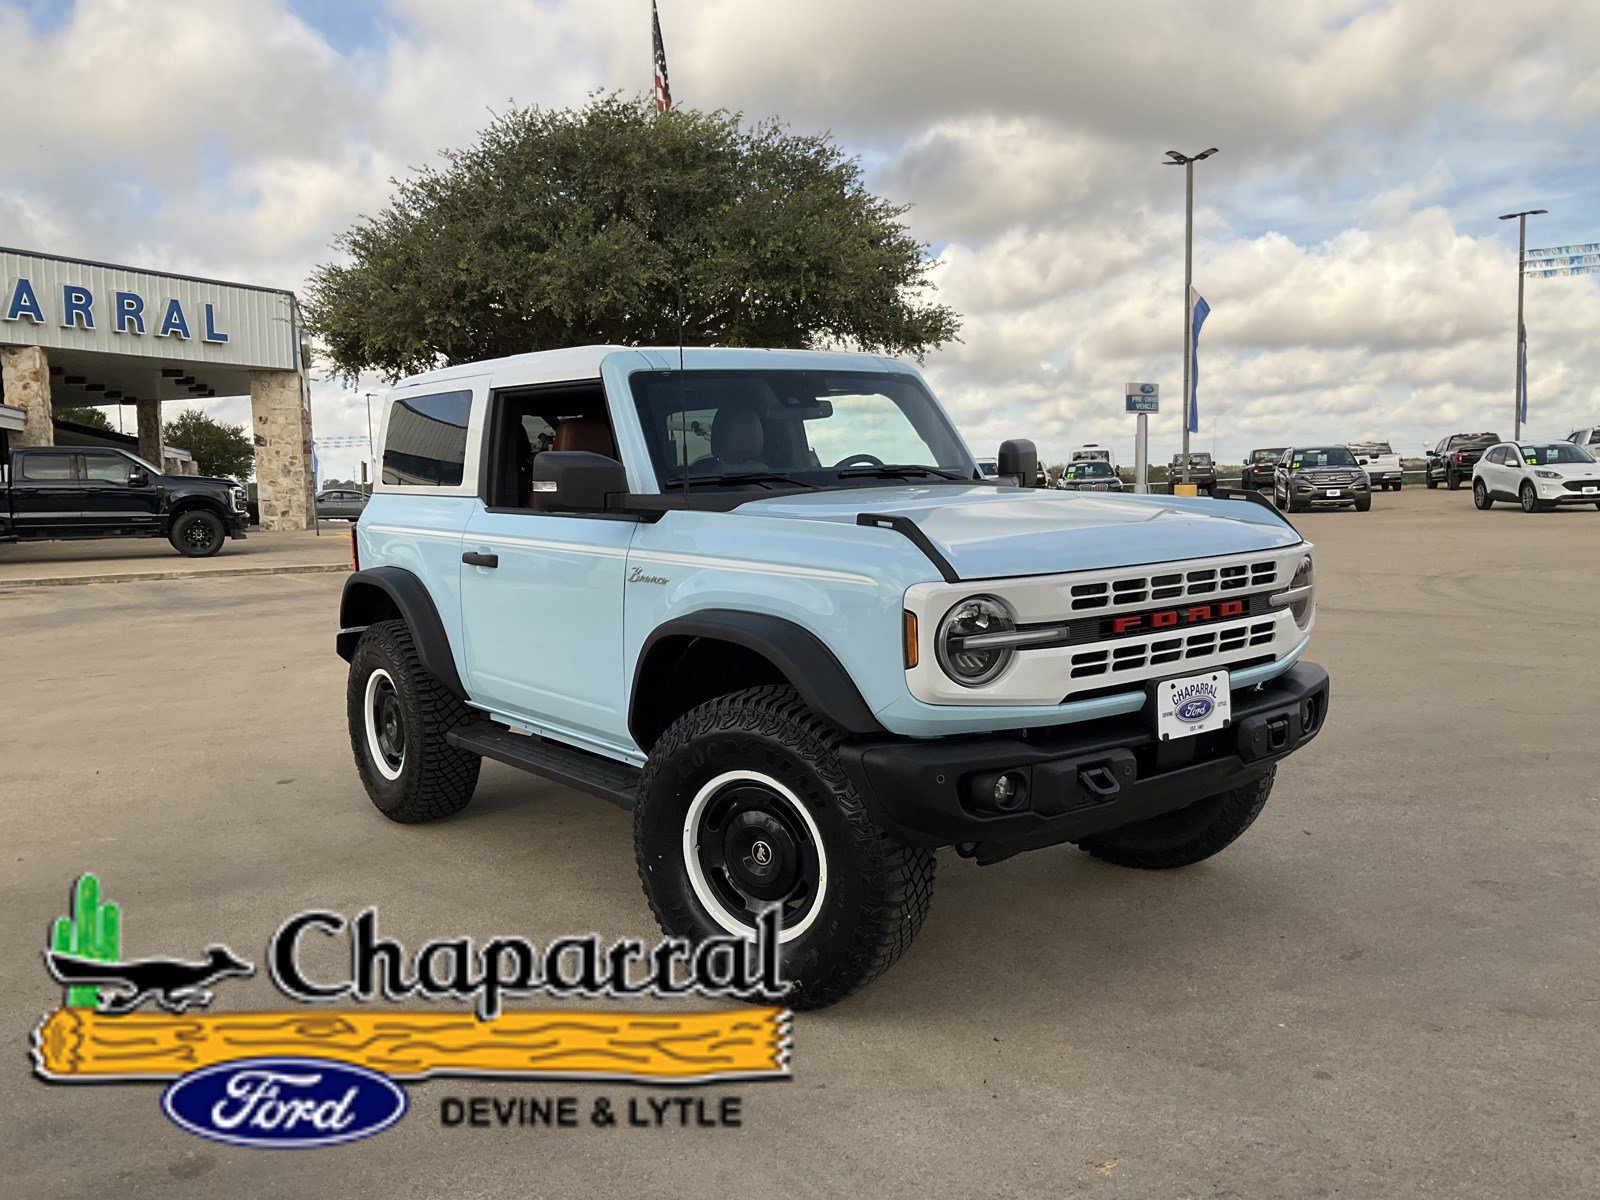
(911, 639)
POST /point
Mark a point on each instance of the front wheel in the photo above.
(744, 806)
(1430, 480)
(197, 534)
(1529, 498)
(1184, 837)
(1364, 504)
(1452, 481)
(1480, 495)
(398, 716)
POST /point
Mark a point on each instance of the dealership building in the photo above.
(75, 334)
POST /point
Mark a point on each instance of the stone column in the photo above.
(282, 428)
(25, 379)
(150, 445)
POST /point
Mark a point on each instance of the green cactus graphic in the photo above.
(93, 930)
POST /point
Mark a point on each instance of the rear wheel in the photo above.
(744, 805)
(197, 533)
(1452, 480)
(1179, 839)
(1480, 495)
(398, 716)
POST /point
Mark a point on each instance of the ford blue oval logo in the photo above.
(284, 1102)
(1196, 710)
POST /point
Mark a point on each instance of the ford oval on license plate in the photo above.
(1193, 704)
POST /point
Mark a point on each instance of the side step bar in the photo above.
(613, 781)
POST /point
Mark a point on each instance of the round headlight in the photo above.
(961, 637)
(1304, 577)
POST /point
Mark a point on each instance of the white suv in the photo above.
(1537, 475)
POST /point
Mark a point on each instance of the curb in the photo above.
(156, 576)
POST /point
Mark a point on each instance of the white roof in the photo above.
(583, 362)
(12, 418)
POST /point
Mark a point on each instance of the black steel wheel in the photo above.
(198, 533)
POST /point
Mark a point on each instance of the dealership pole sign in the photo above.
(68, 304)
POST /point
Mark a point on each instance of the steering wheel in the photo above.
(858, 460)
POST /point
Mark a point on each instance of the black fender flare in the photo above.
(803, 658)
(406, 594)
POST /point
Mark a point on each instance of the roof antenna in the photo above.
(683, 413)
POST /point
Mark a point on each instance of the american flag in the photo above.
(663, 88)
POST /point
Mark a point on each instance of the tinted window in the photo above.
(108, 468)
(1316, 458)
(1555, 455)
(426, 443)
(46, 468)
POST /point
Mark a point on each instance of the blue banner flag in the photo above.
(1199, 310)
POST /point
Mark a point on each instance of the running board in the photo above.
(603, 777)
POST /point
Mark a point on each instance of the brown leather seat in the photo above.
(585, 433)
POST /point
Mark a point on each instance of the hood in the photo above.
(989, 533)
(207, 480)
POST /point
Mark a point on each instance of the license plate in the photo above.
(1333, 491)
(1193, 704)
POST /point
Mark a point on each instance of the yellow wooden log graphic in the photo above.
(79, 1044)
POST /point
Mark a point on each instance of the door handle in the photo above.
(473, 559)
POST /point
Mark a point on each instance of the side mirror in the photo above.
(137, 478)
(1019, 460)
(575, 481)
(1361, 462)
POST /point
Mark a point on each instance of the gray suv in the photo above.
(1318, 477)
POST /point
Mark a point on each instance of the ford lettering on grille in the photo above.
(1173, 618)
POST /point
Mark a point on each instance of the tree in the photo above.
(218, 449)
(609, 223)
(94, 418)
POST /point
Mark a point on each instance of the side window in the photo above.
(1594, 436)
(46, 468)
(426, 441)
(107, 468)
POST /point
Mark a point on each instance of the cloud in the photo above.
(1344, 237)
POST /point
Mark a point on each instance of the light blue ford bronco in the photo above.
(768, 601)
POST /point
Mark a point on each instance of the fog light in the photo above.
(999, 791)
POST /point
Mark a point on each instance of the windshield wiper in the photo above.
(900, 470)
(736, 477)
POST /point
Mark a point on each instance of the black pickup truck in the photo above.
(49, 492)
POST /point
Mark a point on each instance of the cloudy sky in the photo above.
(1346, 235)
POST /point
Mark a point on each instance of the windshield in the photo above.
(805, 428)
(1321, 456)
(1555, 454)
(1090, 470)
(1195, 460)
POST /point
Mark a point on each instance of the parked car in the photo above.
(1320, 477)
(1259, 465)
(1539, 476)
(340, 504)
(759, 598)
(51, 492)
(1452, 460)
(1383, 466)
(1202, 472)
(1587, 437)
(1095, 475)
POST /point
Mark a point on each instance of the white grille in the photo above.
(1136, 656)
(1174, 585)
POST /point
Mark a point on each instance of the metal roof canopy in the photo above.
(117, 334)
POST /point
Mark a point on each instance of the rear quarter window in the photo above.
(425, 444)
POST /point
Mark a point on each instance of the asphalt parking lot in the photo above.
(1389, 987)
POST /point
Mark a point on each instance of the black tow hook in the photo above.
(1099, 782)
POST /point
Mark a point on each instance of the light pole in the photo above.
(1522, 349)
(372, 451)
(1187, 162)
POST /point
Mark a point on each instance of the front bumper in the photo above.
(1330, 495)
(1079, 779)
(238, 522)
